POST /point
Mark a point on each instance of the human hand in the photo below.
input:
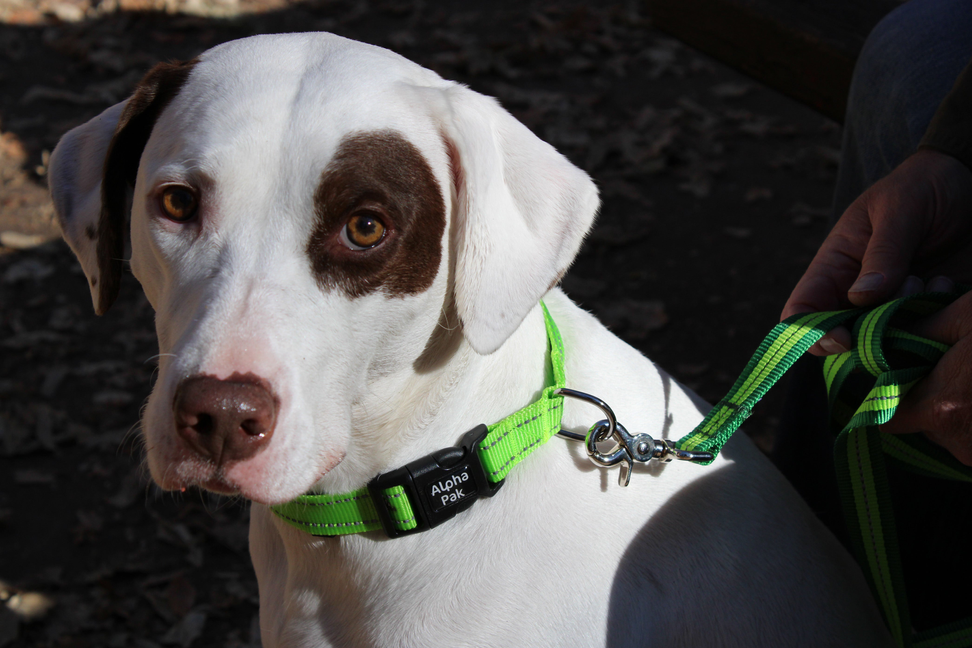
(917, 220)
(941, 404)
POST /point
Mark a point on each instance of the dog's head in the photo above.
(304, 213)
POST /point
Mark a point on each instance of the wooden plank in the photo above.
(805, 49)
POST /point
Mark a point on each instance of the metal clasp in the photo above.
(628, 448)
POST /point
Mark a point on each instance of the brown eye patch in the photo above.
(379, 194)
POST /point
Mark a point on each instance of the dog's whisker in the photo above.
(159, 355)
(132, 437)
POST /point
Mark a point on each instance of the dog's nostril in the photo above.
(225, 420)
(204, 424)
(253, 427)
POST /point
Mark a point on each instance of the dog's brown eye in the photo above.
(364, 231)
(178, 203)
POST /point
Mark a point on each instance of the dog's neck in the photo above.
(407, 415)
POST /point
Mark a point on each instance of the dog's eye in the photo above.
(363, 230)
(178, 203)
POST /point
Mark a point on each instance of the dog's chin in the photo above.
(234, 480)
(220, 486)
(217, 482)
(185, 474)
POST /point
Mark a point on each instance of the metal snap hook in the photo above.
(628, 448)
(593, 400)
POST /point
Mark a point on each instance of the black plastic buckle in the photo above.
(438, 485)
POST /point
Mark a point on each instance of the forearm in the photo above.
(950, 130)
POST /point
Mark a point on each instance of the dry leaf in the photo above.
(186, 631)
(738, 232)
(731, 90)
(754, 194)
(181, 596)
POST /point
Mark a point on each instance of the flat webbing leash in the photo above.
(864, 386)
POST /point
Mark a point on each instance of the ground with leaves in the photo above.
(715, 197)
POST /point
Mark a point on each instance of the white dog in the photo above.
(346, 255)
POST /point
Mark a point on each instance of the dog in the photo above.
(347, 256)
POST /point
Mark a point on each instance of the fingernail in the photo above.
(940, 284)
(911, 286)
(868, 282)
(831, 346)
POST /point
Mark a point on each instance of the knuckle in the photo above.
(961, 318)
(964, 454)
(950, 426)
(951, 416)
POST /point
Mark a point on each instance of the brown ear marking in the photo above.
(385, 171)
(153, 93)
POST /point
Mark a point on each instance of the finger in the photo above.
(948, 325)
(834, 268)
(837, 340)
(941, 404)
(912, 286)
(890, 249)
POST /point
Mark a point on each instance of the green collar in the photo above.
(431, 490)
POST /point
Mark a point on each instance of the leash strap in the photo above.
(864, 386)
(785, 344)
(885, 363)
(433, 489)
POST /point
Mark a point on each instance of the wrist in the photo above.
(940, 160)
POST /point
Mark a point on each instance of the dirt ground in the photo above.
(716, 195)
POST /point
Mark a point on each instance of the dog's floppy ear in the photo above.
(92, 169)
(523, 211)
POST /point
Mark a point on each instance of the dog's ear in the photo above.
(92, 170)
(523, 211)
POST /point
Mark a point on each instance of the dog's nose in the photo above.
(224, 420)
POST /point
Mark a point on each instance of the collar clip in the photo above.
(438, 485)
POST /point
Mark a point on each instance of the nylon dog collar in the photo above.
(429, 491)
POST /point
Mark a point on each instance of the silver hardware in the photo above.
(567, 434)
(665, 451)
(628, 448)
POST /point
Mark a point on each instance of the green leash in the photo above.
(864, 386)
(431, 490)
(886, 362)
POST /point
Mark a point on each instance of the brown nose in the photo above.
(225, 420)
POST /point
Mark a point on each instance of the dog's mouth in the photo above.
(224, 480)
(197, 474)
(220, 485)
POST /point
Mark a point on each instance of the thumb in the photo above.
(890, 249)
